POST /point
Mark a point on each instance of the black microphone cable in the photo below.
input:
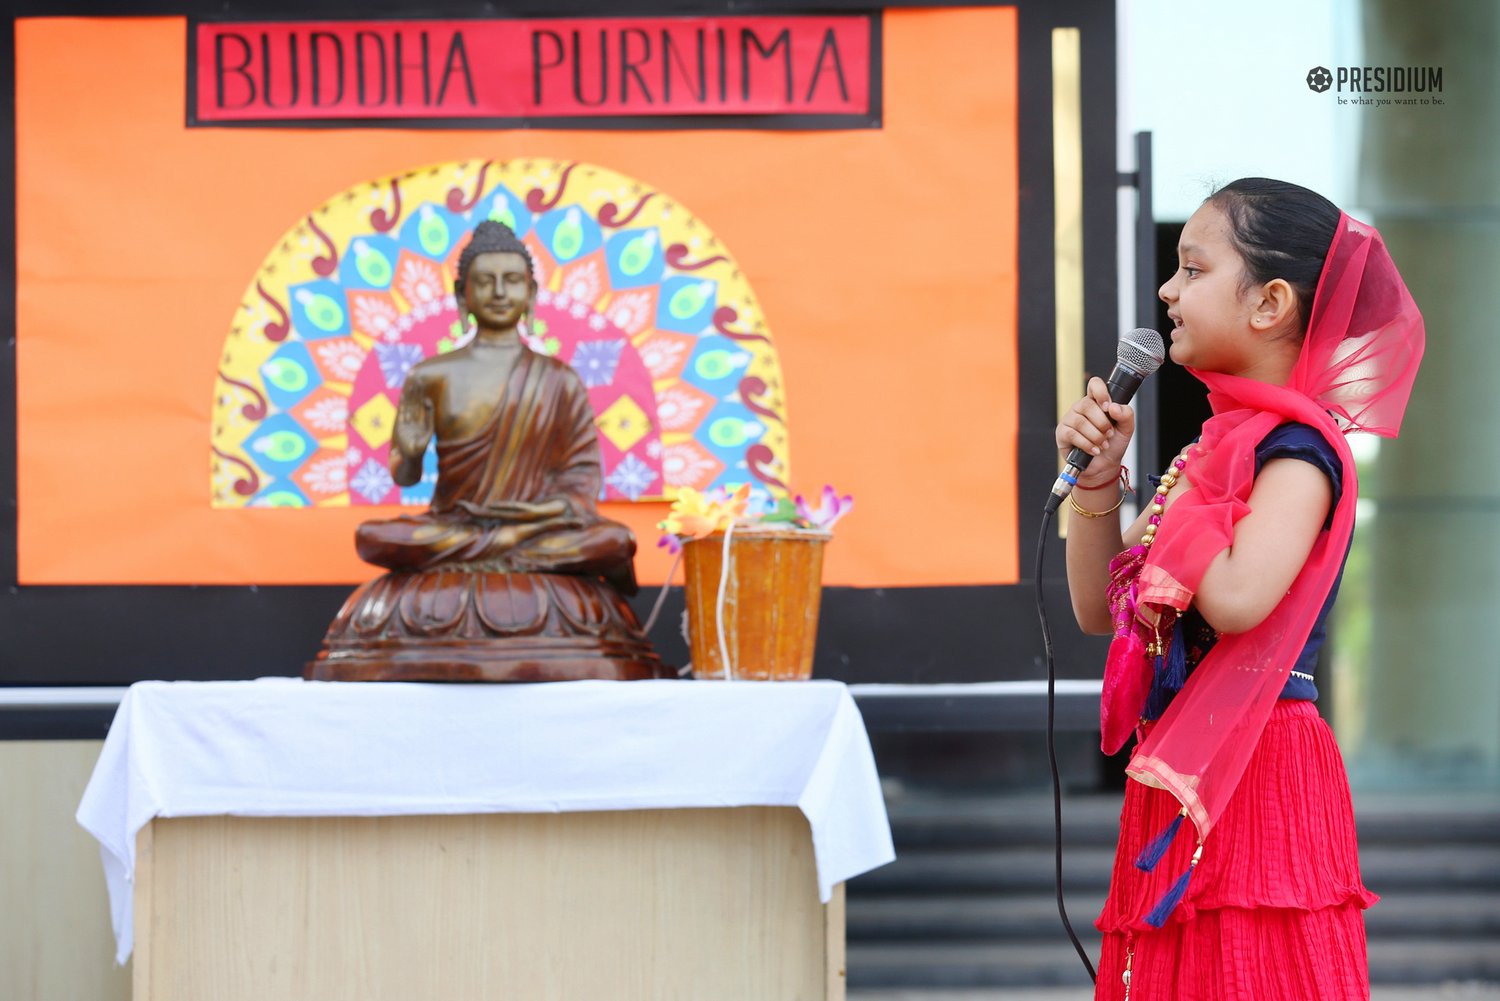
(1041, 608)
(1139, 353)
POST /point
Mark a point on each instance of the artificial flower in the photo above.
(697, 516)
(831, 508)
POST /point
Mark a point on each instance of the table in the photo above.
(543, 789)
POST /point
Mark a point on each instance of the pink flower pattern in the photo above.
(687, 464)
(374, 313)
(681, 407)
(327, 413)
(339, 358)
(666, 354)
(324, 476)
(583, 282)
(418, 280)
(632, 311)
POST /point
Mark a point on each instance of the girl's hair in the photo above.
(1281, 230)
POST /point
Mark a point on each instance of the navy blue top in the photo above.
(1289, 441)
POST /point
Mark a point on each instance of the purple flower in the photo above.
(373, 481)
(830, 510)
(632, 477)
(396, 360)
(596, 361)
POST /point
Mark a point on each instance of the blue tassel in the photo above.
(1167, 904)
(1158, 696)
(1176, 673)
(1152, 853)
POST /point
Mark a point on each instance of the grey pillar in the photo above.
(1430, 177)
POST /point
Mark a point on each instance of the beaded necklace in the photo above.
(1159, 502)
(1125, 568)
(1138, 645)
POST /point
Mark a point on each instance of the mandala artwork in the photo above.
(634, 292)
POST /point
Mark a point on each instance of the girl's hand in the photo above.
(1102, 428)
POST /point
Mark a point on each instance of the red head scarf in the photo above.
(1355, 371)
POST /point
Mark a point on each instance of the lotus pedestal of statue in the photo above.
(461, 625)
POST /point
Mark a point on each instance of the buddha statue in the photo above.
(511, 574)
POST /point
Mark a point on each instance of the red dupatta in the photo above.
(1355, 372)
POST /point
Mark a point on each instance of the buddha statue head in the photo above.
(495, 282)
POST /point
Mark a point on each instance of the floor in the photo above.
(1444, 992)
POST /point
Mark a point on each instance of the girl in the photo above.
(1295, 318)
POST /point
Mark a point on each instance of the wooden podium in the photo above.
(282, 840)
(642, 905)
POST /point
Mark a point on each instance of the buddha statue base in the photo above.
(458, 625)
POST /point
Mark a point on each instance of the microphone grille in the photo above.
(1141, 350)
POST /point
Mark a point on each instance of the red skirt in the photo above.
(1276, 906)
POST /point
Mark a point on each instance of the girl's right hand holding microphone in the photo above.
(1102, 428)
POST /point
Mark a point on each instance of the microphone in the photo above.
(1140, 353)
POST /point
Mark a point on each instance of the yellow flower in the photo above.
(697, 515)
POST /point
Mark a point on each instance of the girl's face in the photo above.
(1210, 312)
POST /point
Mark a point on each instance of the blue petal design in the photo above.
(372, 481)
(596, 361)
(632, 477)
(396, 360)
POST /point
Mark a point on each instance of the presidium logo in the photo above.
(1411, 85)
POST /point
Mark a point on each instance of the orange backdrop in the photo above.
(884, 260)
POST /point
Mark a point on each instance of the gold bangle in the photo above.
(1097, 514)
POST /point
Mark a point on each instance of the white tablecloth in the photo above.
(282, 747)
